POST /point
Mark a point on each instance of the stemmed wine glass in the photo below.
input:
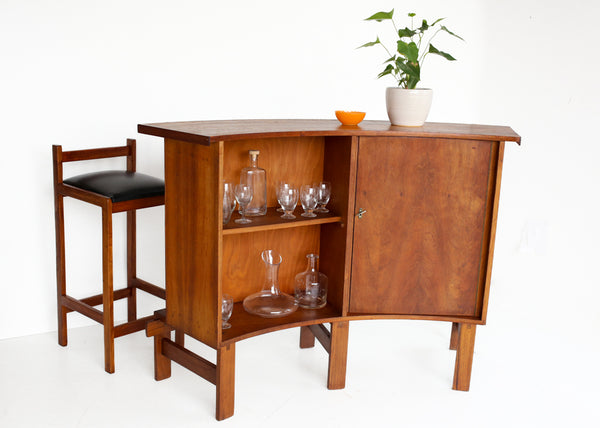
(308, 198)
(323, 195)
(228, 201)
(288, 198)
(243, 195)
(226, 310)
(281, 185)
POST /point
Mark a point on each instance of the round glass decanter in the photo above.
(270, 302)
(310, 287)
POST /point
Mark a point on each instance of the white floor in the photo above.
(516, 381)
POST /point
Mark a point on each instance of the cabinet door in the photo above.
(421, 245)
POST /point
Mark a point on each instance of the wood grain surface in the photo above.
(212, 131)
(417, 250)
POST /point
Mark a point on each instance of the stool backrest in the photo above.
(59, 157)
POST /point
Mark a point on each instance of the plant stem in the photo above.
(426, 51)
(386, 49)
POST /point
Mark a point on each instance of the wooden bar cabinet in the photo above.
(410, 234)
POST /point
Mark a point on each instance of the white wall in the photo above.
(84, 73)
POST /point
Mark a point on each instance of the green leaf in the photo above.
(423, 27)
(412, 14)
(386, 71)
(413, 52)
(451, 33)
(380, 16)
(376, 42)
(392, 59)
(411, 74)
(433, 50)
(402, 48)
(412, 70)
(406, 32)
(436, 21)
(408, 50)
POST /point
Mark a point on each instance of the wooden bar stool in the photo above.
(113, 192)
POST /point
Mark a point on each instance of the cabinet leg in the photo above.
(162, 364)
(464, 357)
(336, 378)
(454, 336)
(307, 339)
(225, 382)
(179, 338)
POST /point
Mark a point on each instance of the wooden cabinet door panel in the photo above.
(418, 248)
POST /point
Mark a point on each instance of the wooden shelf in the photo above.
(272, 221)
(245, 325)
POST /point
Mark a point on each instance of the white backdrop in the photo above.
(84, 73)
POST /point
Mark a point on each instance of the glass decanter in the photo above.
(310, 288)
(256, 177)
(270, 302)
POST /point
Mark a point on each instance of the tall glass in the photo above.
(228, 201)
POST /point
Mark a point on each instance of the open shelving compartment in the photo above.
(299, 160)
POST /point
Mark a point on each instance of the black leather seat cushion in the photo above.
(119, 185)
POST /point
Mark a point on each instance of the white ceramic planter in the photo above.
(408, 107)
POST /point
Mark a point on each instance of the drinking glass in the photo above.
(228, 201)
(243, 195)
(288, 199)
(308, 198)
(226, 310)
(323, 195)
(281, 185)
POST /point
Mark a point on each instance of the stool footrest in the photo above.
(97, 299)
(81, 307)
(149, 288)
(84, 307)
(132, 326)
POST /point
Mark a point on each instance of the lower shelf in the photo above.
(245, 325)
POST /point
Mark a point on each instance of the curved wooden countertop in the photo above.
(209, 132)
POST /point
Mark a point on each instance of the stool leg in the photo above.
(131, 265)
(107, 289)
(61, 286)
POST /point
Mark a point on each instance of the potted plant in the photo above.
(406, 104)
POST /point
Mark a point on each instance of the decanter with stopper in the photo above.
(256, 177)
